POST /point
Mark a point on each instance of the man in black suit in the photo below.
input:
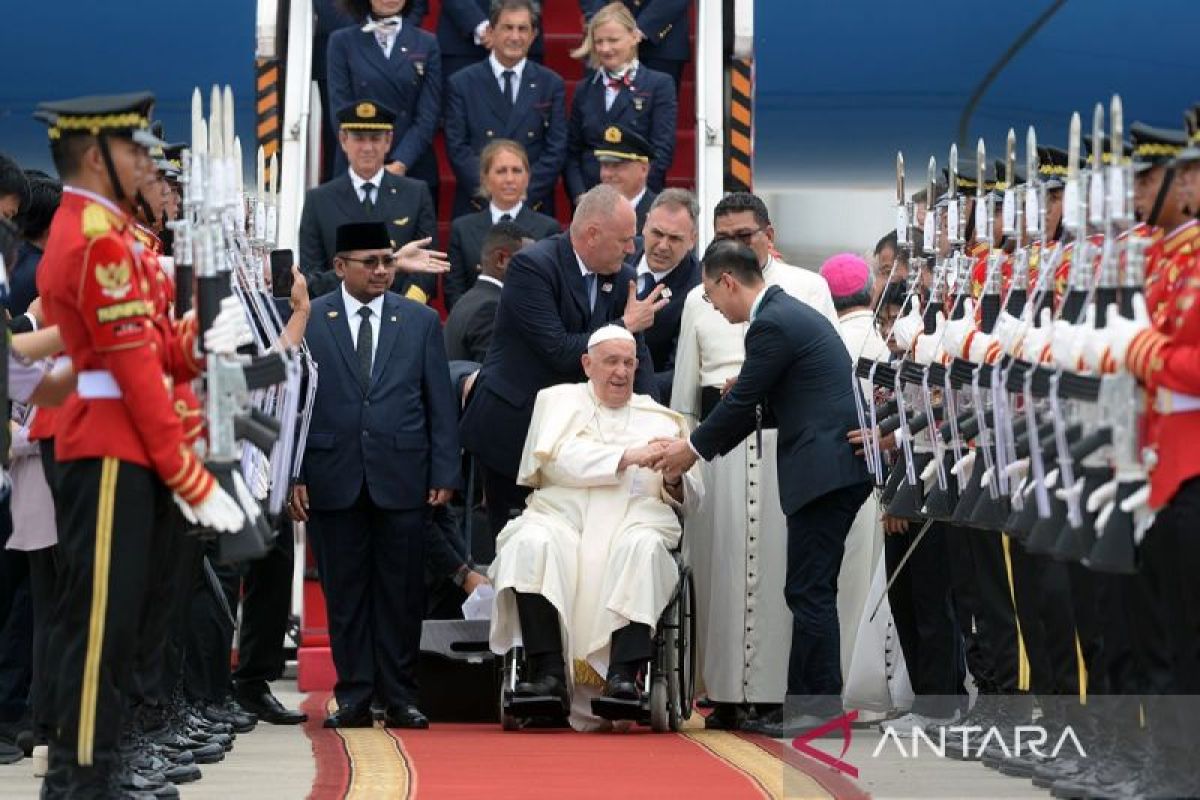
(668, 259)
(556, 292)
(507, 96)
(367, 193)
(625, 165)
(463, 34)
(797, 365)
(382, 449)
(469, 326)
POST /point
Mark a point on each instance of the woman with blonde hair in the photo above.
(503, 183)
(620, 90)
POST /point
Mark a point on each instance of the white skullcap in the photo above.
(608, 333)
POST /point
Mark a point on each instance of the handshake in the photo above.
(670, 456)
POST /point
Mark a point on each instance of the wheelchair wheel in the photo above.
(661, 713)
(685, 690)
(508, 679)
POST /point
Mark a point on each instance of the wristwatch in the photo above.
(460, 575)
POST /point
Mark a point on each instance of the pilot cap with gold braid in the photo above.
(623, 144)
(111, 115)
(366, 116)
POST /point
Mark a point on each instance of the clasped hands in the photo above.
(669, 455)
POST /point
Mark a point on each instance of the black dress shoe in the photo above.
(267, 708)
(547, 686)
(10, 753)
(405, 717)
(621, 687)
(350, 718)
(786, 727)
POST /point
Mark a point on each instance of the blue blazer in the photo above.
(400, 438)
(648, 105)
(540, 334)
(477, 112)
(409, 82)
(456, 29)
(796, 362)
(665, 23)
(662, 338)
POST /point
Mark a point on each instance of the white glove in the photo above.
(962, 467)
(1105, 513)
(1138, 501)
(1102, 496)
(958, 329)
(1009, 332)
(1063, 337)
(908, 327)
(1016, 472)
(984, 349)
(218, 511)
(1119, 332)
(929, 347)
(245, 498)
(1093, 350)
(930, 470)
(1036, 339)
(1051, 479)
(229, 330)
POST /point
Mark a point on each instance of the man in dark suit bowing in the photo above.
(382, 448)
(366, 193)
(797, 366)
(507, 96)
(556, 292)
(469, 325)
(668, 259)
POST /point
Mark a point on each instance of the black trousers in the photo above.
(371, 564)
(181, 634)
(504, 498)
(982, 596)
(816, 542)
(266, 604)
(540, 636)
(167, 553)
(923, 612)
(210, 636)
(108, 512)
(1042, 595)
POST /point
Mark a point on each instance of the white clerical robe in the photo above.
(594, 542)
(737, 544)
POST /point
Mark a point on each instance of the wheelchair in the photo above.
(668, 680)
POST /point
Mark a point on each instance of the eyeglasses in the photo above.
(704, 295)
(742, 236)
(373, 262)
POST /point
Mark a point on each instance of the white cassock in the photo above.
(864, 542)
(595, 543)
(737, 544)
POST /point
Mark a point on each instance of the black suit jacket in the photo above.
(469, 326)
(399, 437)
(541, 332)
(466, 243)
(662, 337)
(403, 203)
(796, 362)
(477, 112)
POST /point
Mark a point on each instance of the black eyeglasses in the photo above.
(704, 294)
(372, 262)
(742, 236)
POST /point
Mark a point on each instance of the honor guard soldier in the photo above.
(120, 446)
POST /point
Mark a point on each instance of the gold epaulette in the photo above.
(97, 220)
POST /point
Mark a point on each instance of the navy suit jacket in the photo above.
(456, 29)
(662, 338)
(22, 278)
(477, 112)
(466, 243)
(665, 23)
(648, 105)
(408, 82)
(795, 362)
(400, 437)
(540, 334)
(403, 203)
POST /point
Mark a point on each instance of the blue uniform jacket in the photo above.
(400, 438)
(647, 105)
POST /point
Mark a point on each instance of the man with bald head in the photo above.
(556, 293)
(583, 575)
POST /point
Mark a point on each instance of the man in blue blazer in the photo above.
(463, 32)
(667, 258)
(664, 25)
(797, 366)
(382, 448)
(556, 292)
(398, 65)
(507, 96)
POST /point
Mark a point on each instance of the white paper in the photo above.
(479, 605)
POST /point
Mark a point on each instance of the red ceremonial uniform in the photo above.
(1166, 359)
(96, 285)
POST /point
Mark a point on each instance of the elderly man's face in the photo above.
(627, 177)
(610, 366)
(609, 241)
(366, 151)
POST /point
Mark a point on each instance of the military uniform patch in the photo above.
(115, 279)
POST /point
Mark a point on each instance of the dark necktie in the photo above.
(509, 91)
(368, 204)
(647, 287)
(366, 340)
(590, 280)
(506, 217)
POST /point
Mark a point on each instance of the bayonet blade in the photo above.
(1098, 136)
(1073, 144)
(1010, 159)
(953, 187)
(900, 178)
(1031, 156)
(931, 181)
(980, 166)
(1116, 115)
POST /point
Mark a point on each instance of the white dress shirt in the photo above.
(355, 321)
(610, 93)
(490, 279)
(643, 268)
(499, 69)
(498, 212)
(376, 180)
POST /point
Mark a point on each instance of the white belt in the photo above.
(1168, 402)
(97, 384)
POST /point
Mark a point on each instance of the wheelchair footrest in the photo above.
(536, 706)
(613, 709)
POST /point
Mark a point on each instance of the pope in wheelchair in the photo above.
(584, 575)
